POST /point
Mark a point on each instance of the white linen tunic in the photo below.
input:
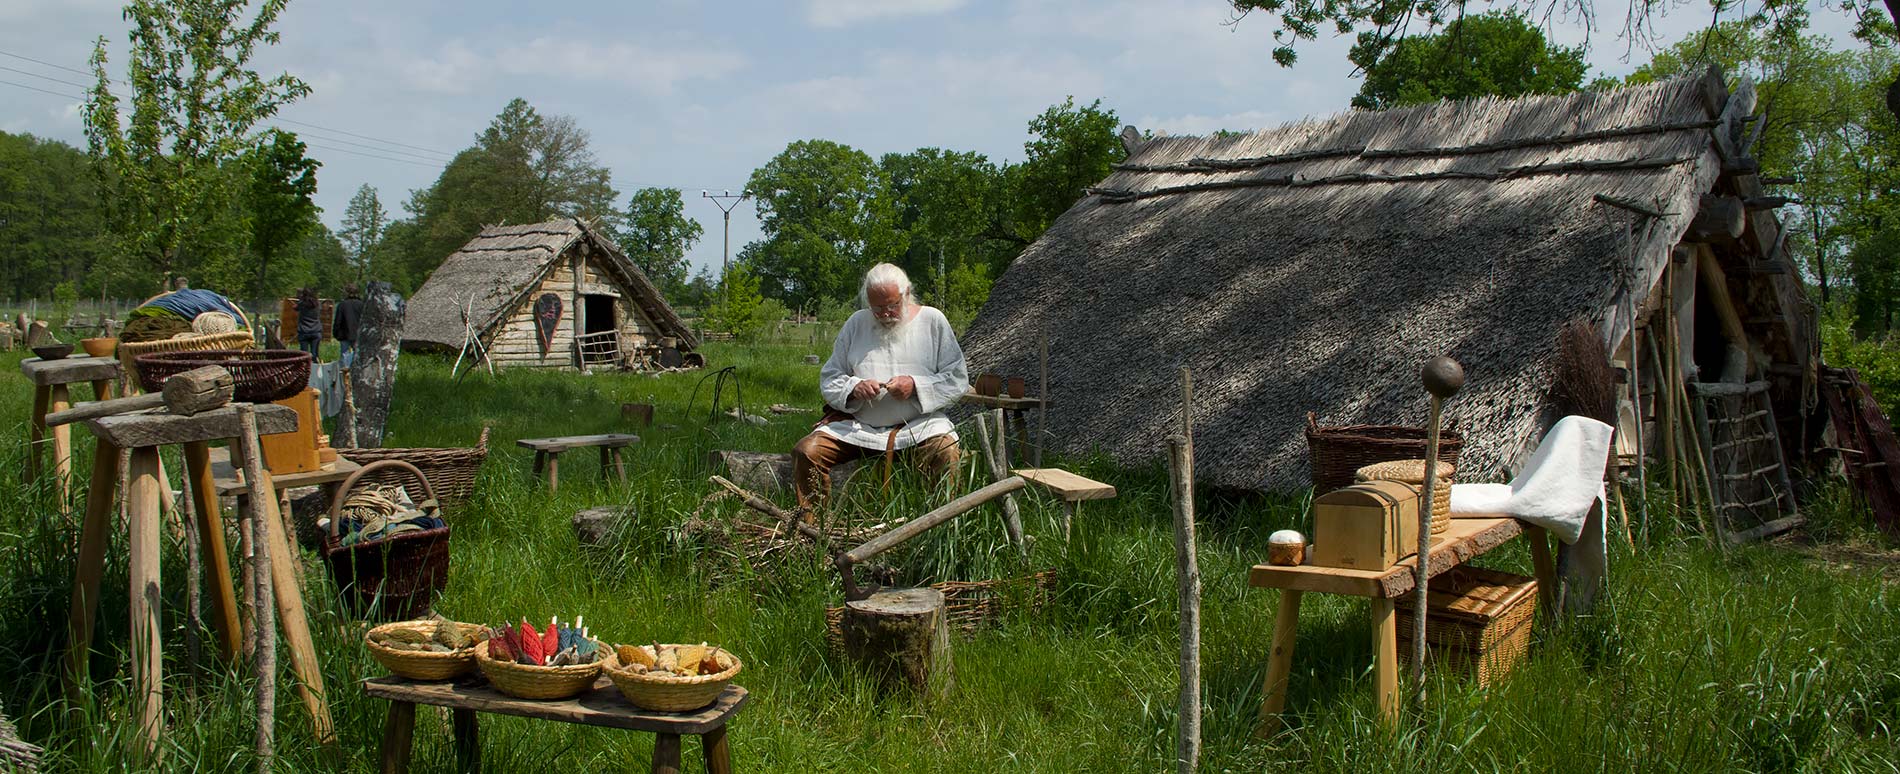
(923, 348)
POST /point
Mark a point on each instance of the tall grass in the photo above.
(1756, 660)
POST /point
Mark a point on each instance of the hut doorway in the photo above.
(600, 341)
(599, 314)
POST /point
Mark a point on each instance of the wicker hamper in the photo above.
(1478, 622)
(1339, 452)
(393, 578)
(451, 471)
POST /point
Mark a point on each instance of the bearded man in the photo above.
(894, 366)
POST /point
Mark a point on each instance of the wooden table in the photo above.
(143, 434)
(50, 393)
(1015, 412)
(601, 705)
(547, 453)
(1463, 541)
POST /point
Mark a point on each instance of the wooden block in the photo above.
(1067, 486)
(295, 451)
(131, 431)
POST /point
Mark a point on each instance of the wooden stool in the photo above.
(601, 705)
(547, 453)
(50, 393)
(143, 434)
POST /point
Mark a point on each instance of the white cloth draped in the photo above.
(923, 348)
(1555, 490)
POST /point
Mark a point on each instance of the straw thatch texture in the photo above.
(1316, 266)
(501, 265)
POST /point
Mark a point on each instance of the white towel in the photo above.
(1557, 486)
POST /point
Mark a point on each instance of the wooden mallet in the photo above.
(190, 393)
(1443, 377)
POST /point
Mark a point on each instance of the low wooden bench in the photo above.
(1069, 488)
(601, 705)
(547, 453)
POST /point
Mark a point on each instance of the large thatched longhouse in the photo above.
(498, 281)
(1316, 266)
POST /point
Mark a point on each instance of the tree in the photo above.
(656, 234)
(282, 181)
(738, 308)
(364, 223)
(951, 204)
(523, 168)
(51, 217)
(1069, 149)
(1499, 53)
(826, 218)
(194, 102)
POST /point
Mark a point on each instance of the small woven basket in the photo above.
(536, 682)
(1339, 452)
(422, 665)
(1413, 472)
(669, 694)
(262, 376)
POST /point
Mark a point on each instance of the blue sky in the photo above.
(696, 95)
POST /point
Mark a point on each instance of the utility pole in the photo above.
(725, 259)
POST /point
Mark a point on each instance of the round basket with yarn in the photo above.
(1413, 472)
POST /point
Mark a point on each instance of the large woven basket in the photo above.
(452, 471)
(391, 578)
(1339, 452)
(669, 694)
(421, 665)
(129, 352)
(1478, 622)
(536, 682)
(261, 375)
(1413, 472)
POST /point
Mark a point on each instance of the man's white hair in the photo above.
(881, 275)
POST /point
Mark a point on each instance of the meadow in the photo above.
(1764, 658)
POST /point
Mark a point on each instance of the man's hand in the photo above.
(866, 390)
(902, 387)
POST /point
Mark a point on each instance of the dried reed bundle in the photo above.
(1582, 381)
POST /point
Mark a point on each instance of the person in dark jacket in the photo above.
(343, 324)
(309, 322)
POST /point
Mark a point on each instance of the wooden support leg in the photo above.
(620, 464)
(666, 754)
(606, 462)
(468, 740)
(718, 758)
(554, 472)
(102, 389)
(60, 400)
(540, 464)
(1544, 566)
(100, 497)
(399, 730)
(247, 608)
(224, 611)
(42, 396)
(1068, 518)
(147, 669)
(296, 625)
(1385, 662)
(1286, 625)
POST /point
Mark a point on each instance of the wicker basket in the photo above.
(130, 351)
(1478, 622)
(1413, 472)
(1339, 452)
(668, 694)
(536, 682)
(451, 471)
(421, 665)
(262, 376)
(970, 605)
(391, 578)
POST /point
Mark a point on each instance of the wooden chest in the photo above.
(1477, 622)
(1366, 526)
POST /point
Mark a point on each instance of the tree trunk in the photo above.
(373, 376)
(902, 637)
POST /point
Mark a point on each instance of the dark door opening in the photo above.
(599, 316)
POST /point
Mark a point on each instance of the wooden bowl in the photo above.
(53, 351)
(100, 346)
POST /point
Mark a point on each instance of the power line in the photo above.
(48, 64)
(366, 137)
(40, 90)
(373, 156)
(44, 77)
(307, 136)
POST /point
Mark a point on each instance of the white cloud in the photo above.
(645, 68)
(843, 13)
(1196, 124)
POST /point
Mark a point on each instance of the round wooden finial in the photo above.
(1443, 376)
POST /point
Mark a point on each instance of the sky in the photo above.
(695, 95)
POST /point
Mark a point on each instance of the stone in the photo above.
(600, 527)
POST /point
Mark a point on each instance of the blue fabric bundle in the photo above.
(191, 302)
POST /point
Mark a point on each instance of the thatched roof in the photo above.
(496, 270)
(1316, 266)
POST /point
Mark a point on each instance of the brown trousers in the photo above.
(814, 455)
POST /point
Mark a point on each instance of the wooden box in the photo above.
(1477, 622)
(296, 451)
(1366, 526)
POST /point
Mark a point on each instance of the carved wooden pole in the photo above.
(1188, 577)
(1443, 377)
(251, 450)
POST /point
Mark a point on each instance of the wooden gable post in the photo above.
(580, 308)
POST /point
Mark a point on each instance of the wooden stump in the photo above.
(600, 527)
(373, 375)
(902, 637)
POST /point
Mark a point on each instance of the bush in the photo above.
(834, 310)
(739, 308)
(1877, 359)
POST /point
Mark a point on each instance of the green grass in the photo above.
(1756, 660)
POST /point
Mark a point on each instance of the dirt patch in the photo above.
(1860, 556)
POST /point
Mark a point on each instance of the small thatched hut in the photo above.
(1315, 267)
(532, 292)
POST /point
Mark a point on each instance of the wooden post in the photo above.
(374, 372)
(994, 459)
(36, 432)
(1188, 583)
(1385, 659)
(399, 728)
(902, 637)
(261, 528)
(1636, 405)
(60, 399)
(1666, 416)
(1705, 444)
(580, 307)
(211, 535)
(141, 496)
(1286, 626)
(1042, 394)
